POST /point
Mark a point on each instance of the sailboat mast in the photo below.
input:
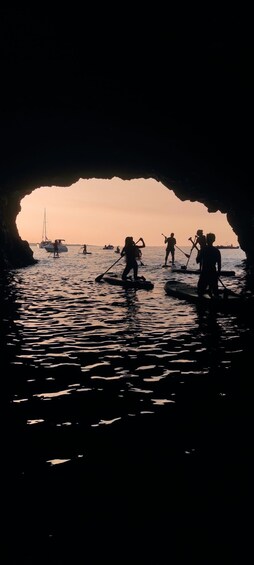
(44, 228)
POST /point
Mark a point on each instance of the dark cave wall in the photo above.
(14, 252)
(126, 154)
(63, 147)
(76, 105)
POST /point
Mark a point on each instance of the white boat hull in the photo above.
(61, 248)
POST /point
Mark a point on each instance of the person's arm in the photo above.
(143, 243)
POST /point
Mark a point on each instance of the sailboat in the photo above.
(45, 241)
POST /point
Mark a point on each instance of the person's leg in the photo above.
(125, 273)
(126, 270)
(214, 286)
(173, 256)
(166, 256)
(135, 270)
(202, 284)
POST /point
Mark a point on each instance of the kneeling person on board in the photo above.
(130, 252)
(209, 258)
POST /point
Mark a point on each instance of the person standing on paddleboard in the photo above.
(201, 241)
(130, 252)
(171, 242)
(209, 258)
(55, 246)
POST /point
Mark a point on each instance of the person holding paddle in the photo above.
(130, 252)
(171, 242)
(209, 258)
(201, 241)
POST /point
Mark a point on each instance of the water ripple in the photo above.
(83, 354)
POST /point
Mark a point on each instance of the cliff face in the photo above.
(178, 109)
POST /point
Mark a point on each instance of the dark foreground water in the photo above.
(128, 417)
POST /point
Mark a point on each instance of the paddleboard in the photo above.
(227, 301)
(141, 283)
(197, 272)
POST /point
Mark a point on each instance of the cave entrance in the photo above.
(102, 211)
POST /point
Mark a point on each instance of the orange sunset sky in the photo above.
(98, 212)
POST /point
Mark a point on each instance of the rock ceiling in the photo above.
(174, 106)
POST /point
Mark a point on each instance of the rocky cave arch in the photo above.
(17, 253)
(178, 109)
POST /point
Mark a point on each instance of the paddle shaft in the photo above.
(227, 289)
(193, 245)
(98, 279)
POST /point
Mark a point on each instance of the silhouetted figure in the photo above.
(170, 241)
(84, 249)
(117, 249)
(139, 255)
(198, 243)
(55, 245)
(209, 258)
(130, 252)
(200, 240)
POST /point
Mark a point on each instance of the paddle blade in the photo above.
(98, 279)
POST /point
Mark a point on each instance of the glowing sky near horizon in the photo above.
(99, 212)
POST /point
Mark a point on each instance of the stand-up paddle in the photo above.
(186, 254)
(227, 290)
(98, 279)
(194, 245)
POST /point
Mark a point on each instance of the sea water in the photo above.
(93, 372)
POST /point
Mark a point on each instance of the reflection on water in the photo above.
(70, 342)
(87, 363)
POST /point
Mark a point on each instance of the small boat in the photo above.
(141, 282)
(183, 270)
(108, 247)
(61, 246)
(227, 300)
(44, 241)
(227, 246)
